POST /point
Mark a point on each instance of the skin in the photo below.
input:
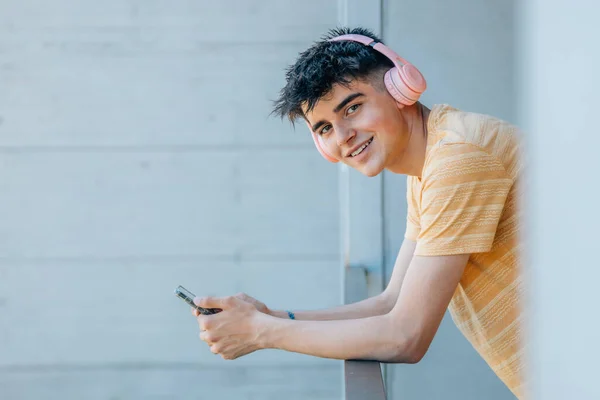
(398, 325)
(399, 133)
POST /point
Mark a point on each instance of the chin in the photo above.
(370, 171)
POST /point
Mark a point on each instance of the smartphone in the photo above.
(188, 297)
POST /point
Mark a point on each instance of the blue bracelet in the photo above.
(291, 315)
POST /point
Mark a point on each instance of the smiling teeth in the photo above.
(361, 148)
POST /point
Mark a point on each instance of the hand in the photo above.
(235, 331)
(260, 306)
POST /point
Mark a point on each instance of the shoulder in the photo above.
(468, 135)
(449, 155)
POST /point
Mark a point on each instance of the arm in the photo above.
(373, 306)
(402, 335)
(376, 305)
(460, 205)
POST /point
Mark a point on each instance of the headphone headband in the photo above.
(380, 47)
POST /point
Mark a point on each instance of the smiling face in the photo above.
(362, 126)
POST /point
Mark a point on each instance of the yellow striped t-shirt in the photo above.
(466, 202)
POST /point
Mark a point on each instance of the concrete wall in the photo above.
(137, 154)
(465, 50)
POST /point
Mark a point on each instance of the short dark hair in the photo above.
(325, 64)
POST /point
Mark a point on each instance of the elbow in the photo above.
(415, 356)
(386, 303)
(409, 355)
(411, 349)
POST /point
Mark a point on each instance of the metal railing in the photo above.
(362, 379)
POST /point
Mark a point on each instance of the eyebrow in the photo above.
(337, 108)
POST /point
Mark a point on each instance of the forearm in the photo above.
(371, 338)
(373, 306)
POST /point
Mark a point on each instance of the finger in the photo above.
(215, 302)
(207, 337)
(195, 312)
(242, 296)
(205, 322)
(249, 299)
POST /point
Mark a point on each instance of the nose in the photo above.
(344, 135)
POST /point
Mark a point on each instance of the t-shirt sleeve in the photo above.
(462, 197)
(413, 227)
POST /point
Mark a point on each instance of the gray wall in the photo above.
(465, 50)
(137, 154)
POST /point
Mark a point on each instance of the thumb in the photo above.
(214, 302)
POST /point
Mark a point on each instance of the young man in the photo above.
(461, 248)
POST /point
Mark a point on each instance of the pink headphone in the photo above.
(404, 81)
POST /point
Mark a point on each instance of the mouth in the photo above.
(361, 148)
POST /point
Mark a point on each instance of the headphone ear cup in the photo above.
(324, 153)
(405, 84)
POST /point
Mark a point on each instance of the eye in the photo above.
(325, 129)
(352, 109)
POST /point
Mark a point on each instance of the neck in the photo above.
(413, 158)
